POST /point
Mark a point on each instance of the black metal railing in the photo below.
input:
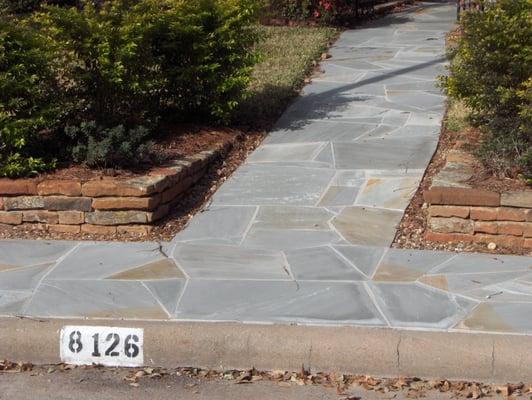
(472, 5)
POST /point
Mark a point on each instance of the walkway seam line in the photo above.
(57, 262)
(374, 300)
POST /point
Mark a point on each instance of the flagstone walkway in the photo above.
(301, 232)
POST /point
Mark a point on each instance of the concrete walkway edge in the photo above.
(355, 350)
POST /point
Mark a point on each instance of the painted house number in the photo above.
(111, 346)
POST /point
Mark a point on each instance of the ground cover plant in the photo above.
(490, 73)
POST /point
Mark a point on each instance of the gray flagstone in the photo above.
(300, 233)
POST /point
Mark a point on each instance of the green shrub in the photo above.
(27, 99)
(122, 64)
(105, 59)
(97, 146)
(292, 9)
(205, 50)
(19, 6)
(490, 72)
(126, 61)
(27, 6)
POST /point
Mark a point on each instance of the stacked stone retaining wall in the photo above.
(102, 206)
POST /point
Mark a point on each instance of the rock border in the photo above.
(459, 212)
(106, 205)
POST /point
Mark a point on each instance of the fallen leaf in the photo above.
(412, 394)
(503, 390)
(475, 393)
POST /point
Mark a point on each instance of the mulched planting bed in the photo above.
(180, 141)
(185, 142)
(413, 227)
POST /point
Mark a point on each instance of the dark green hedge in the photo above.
(120, 64)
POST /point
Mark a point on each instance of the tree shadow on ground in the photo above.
(267, 105)
(264, 107)
(321, 105)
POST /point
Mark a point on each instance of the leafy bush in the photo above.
(19, 6)
(126, 61)
(292, 9)
(490, 72)
(105, 59)
(97, 146)
(26, 102)
(205, 50)
(26, 6)
(122, 64)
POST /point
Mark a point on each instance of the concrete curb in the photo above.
(354, 350)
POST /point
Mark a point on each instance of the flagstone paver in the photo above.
(305, 302)
(14, 253)
(412, 305)
(103, 260)
(94, 298)
(368, 225)
(12, 302)
(308, 264)
(301, 232)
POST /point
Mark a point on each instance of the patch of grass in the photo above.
(458, 115)
(287, 56)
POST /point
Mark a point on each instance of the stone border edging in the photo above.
(459, 212)
(354, 350)
(106, 205)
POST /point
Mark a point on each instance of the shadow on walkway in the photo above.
(320, 105)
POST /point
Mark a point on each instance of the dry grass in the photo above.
(287, 56)
(457, 118)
